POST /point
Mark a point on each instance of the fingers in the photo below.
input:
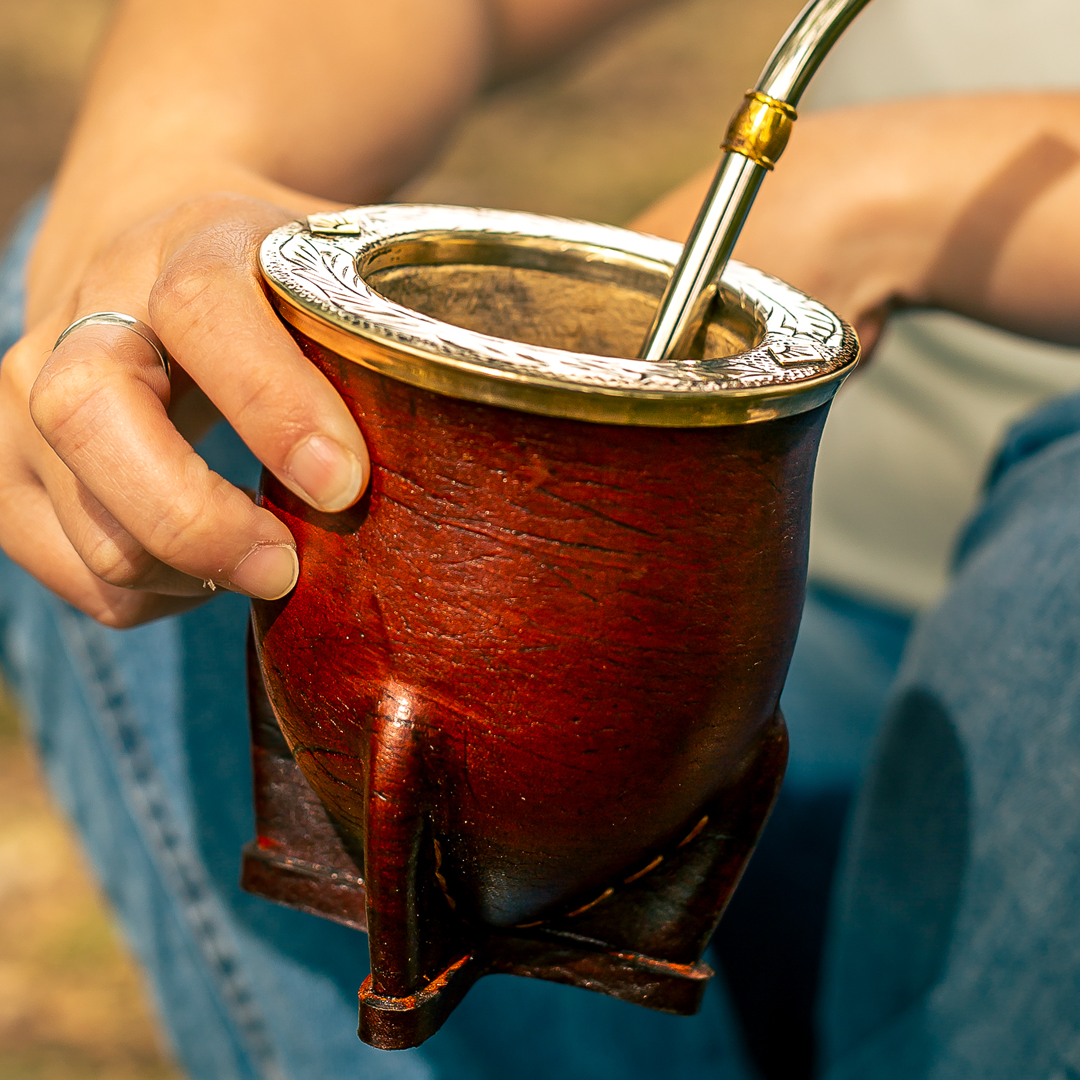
(132, 523)
(31, 533)
(36, 542)
(104, 546)
(210, 310)
(139, 506)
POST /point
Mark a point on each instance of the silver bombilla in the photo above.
(755, 139)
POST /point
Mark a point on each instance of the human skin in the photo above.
(207, 124)
(969, 204)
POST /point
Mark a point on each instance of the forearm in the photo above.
(263, 98)
(970, 204)
(209, 123)
(198, 95)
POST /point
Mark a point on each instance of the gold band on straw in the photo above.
(760, 128)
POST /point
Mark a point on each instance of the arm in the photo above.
(208, 123)
(969, 204)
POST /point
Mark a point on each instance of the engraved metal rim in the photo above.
(316, 275)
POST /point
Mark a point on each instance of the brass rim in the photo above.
(316, 275)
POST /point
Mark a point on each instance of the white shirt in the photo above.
(910, 438)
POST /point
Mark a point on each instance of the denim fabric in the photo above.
(143, 735)
(1057, 420)
(955, 948)
(771, 937)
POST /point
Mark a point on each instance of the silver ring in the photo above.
(129, 322)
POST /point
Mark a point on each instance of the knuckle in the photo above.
(183, 295)
(210, 207)
(63, 395)
(125, 565)
(52, 400)
(119, 617)
(194, 519)
(123, 613)
(223, 244)
(22, 359)
(259, 394)
(174, 538)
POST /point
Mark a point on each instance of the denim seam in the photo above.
(178, 861)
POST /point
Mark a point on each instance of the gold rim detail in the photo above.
(760, 129)
(316, 275)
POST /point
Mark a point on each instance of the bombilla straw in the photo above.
(756, 137)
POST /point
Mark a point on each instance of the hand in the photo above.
(968, 204)
(102, 497)
(808, 227)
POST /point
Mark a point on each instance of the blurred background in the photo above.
(599, 136)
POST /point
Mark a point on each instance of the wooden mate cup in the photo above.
(520, 712)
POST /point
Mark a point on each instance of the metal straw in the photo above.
(755, 139)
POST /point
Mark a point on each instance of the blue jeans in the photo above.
(955, 946)
(952, 951)
(144, 739)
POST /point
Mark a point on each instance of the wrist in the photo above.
(72, 235)
(958, 203)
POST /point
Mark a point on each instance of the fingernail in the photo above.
(328, 475)
(268, 571)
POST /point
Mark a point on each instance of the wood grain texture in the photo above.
(641, 942)
(532, 679)
(588, 626)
